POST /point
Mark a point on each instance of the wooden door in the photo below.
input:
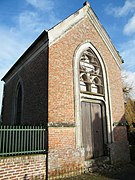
(92, 129)
(87, 130)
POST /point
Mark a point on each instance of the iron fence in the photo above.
(17, 140)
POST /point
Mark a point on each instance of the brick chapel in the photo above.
(69, 80)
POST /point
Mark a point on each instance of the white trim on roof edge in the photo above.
(60, 29)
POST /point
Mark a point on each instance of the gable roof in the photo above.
(60, 29)
(57, 31)
(34, 47)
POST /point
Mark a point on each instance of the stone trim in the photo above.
(79, 96)
(61, 124)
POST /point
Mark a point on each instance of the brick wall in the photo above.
(61, 87)
(63, 154)
(33, 77)
(23, 167)
(61, 137)
(65, 160)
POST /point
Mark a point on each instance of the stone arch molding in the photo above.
(78, 97)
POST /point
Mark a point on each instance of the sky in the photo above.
(22, 21)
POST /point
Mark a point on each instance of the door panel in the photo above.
(86, 130)
(92, 129)
(97, 129)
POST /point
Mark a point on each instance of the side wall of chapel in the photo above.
(34, 80)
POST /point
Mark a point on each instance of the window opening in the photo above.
(18, 105)
(91, 77)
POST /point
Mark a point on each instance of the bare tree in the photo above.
(128, 87)
(128, 91)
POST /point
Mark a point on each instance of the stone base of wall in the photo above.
(23, 167)
(66, 172)
(93, 165)
(65, 162)
(119, 152)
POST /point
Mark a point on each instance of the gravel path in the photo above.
(120, 172)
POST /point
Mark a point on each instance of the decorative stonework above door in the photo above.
(91, 78)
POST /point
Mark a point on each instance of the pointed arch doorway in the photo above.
(91, 102)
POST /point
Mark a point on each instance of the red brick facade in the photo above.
(61, 90)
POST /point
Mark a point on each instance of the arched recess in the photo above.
(18, 104)
(91, 92)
